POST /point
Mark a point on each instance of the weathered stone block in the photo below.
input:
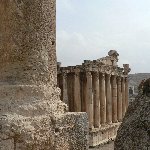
(72, 132)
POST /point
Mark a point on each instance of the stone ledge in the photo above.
(103, 134)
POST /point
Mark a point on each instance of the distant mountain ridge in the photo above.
(135, 79)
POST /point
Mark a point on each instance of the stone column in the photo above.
(114, 98)
(108, 100)
(96, 99)
(119, 99)
(77, 97)
(30, 107)
(87, 97)
(123, 96)
(73, 85)
(70, 89)
(102, 99)
(62, 83)
(126, 92)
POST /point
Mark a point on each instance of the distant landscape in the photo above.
(135, 79)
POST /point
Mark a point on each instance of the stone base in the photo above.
(33, 118)
(103, 134)
(67, 132)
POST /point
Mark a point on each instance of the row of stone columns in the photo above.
(103, 96)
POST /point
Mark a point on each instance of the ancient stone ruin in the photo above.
(100, 88)
(32, 116)
(134, 132)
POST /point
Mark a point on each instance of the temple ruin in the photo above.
(33, 113)
(100, 88)
(32, 116)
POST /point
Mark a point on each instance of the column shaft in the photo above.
(96, 99)
(108, 100)
(62, 84)
(123, 96)
(119, 99)
(87, 100)
(77, 95)
(102, 99)
(65, 91)
(126, 92)
(114, 99)
(70, 89)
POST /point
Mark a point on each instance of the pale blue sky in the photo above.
(88, 29)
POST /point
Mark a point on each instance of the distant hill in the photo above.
(135, 79)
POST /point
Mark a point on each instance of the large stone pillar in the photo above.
(126, 92)
(70, 89)
(87, 100)
(108, 100)
(114, 98)
(102, 99)
(123, 96)
(62, 83)
(77, 95)
(31, 113)
(96, 99)
(119, 99)
(73, 87)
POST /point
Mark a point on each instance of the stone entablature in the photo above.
(95, 65)
(98, 87)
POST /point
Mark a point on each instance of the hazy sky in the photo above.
(88, 29)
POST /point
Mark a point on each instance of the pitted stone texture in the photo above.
(72, 132)
(7, 144)
(27, 42)
(134, 132)
(29, 98)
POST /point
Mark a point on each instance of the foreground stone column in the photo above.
(102, 99)
(96, 99)
(108, 100)
(119, 99)
(114, 98)
(123, 96)
(30, 108)
(126, 92)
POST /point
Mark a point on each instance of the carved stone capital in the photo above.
(77, 74)
(103, 76)
(96, 75)
(118, 79)
(89, 74)
(108, 76)
(64, 74)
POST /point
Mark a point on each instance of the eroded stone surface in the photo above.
(72, 132)
(29, 99)
(134, 132)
